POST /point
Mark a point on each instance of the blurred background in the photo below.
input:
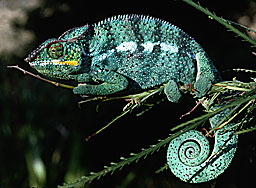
(42, 129)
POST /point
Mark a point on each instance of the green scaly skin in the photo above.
(128, 54)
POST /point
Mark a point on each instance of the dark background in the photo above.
(42, 124)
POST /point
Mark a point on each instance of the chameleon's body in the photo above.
(128, 53)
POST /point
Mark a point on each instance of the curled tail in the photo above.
(189, 157)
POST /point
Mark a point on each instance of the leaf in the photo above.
(222, 21)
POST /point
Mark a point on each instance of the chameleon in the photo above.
(132, 53)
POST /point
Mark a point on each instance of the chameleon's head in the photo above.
(60, 57)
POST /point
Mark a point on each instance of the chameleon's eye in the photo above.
(55, 50)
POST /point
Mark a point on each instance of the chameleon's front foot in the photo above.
(172, 92)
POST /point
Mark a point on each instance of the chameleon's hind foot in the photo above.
(202, 86)
(205, 75)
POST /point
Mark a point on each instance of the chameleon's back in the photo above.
(149, 51)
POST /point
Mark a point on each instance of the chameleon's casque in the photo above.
(130, 53)
(60, 57)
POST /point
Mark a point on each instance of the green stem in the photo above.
(222, 21)
(245, 131)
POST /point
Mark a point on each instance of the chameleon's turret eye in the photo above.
(55, 50)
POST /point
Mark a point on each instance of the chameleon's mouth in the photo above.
(53, 62)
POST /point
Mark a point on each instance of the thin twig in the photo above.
(39, 77)
(231, 118)
(140, 98)
(197, 104)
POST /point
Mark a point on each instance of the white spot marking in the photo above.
(169, 48)
(148, 46)
(198, 66)
(104, 55)
(127, 46)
